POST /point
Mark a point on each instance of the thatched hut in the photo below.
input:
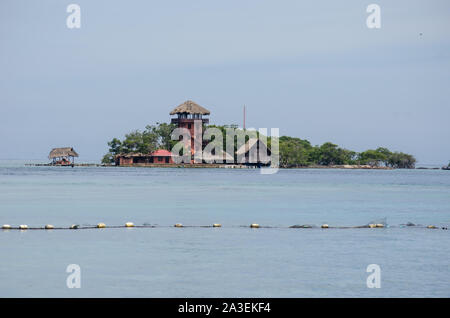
(63, 156)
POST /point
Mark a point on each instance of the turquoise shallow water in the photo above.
(231, 261)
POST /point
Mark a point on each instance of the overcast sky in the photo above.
(311, 68)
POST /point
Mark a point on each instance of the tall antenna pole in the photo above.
(244, 117)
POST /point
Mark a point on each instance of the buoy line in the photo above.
(101, 225)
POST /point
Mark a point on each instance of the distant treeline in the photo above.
(299, 152)
(294, 152)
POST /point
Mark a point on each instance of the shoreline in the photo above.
(212, 165)
(226, 166)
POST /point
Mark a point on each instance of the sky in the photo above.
(313, 69)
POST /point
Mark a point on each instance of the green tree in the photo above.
(293, 151)
(331, 154)
(372, 157)
(108, 158)
(401, 160)
(163, 134)
(115, 147)
(133, 142)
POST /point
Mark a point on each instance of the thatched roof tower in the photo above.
(188, 114)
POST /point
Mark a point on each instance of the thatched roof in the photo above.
(62, 152)
(190, 107)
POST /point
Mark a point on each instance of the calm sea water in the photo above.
(231, 261)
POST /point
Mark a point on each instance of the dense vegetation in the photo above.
(294, 152)
(152, 138)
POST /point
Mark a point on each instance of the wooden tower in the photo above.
(187, 113)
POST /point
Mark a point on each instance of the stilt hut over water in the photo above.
(63, 156)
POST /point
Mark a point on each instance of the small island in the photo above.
(153, 146)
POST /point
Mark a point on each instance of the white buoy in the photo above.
(217, 225)
(325, 226)
(49, 227)
(254, 226)
(74, 226)
(23, 227)
(6, 226)
(129, 224)
(101, 225)
(178, 225)
(372, 226)
(431, 227)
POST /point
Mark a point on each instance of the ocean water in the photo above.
(234, 260)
